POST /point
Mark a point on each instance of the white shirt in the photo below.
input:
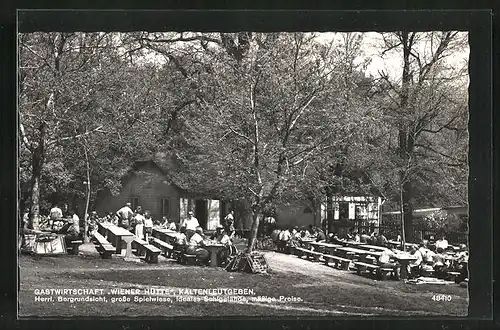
(139, 219)
(284, 235)
(124, 213)
(442, 244)
(385, 257)
(229, 217)
(191, 223)
(55, 213)
(148, 222)
(419, 258)
(195, 240)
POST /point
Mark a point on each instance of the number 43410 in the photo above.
(441, 297)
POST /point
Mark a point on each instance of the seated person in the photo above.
(463, 254)
(440, 265)
(357, 238)
(283, 239)
(320, 235)
(294, 239)
(382, 240)
(222, 237)
(461, 264)
(180, 243)
(311, 230)
(172, 226)
(304, 234)
(364, 238)
(71, 230)
(415, 266)
(161, 223)
(195, 247)
(92, 223)
(384, 261)
(442, 243)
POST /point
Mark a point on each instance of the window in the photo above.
(135, 202)
(165, 207)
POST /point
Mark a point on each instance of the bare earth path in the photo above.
(321, 289)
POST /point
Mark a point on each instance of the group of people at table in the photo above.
(190, 239)
(427, 257)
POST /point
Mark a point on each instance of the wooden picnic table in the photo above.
(307, 242)
(346, 250)
(397, 244)
(102, 227)
(352, 243)
(116, 234)
(404, 259)
(322, 246)
(165, 235)
(373, 247)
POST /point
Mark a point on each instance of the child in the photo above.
(148, 225)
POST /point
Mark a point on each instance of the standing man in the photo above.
(191, 223)
(124, 216)
(229, 223)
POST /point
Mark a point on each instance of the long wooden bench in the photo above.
(364, 267)
(339, 262)
(453, 275)
(308, 253)
(104, 248)
(380, 272)
(167, 248)
(144, 248)
(152, 253)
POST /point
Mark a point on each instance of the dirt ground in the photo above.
(306, 288)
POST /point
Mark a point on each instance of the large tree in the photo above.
(263, 106)
(73, 100)
(426, 106)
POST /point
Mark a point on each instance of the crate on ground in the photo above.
(74, 246)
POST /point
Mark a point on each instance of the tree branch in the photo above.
(97, 129)
(436, 151)
(25, 138)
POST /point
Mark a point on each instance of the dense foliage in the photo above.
(256, 117)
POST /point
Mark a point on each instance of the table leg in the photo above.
(404, 271)
(118, 244)
(213, 258)
(128, 240)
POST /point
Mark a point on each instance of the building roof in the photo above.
(428, 211)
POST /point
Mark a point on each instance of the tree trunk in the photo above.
(253, 231)
(36, 173)
(408, 211)
(329, 213)
(402, 211)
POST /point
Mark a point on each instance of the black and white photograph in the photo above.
(219, 174)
